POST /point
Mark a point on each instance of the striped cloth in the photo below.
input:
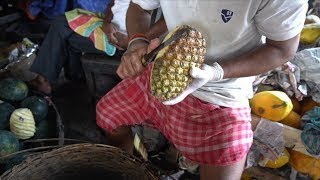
(202, 132)
(89, 24)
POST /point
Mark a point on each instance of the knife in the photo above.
(148, 58)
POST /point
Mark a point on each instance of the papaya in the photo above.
(292, 120)
(280, 161)
(305, 164)
(272, 105)
(310, 34)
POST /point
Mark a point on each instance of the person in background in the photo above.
(209, 123)
(62, 47)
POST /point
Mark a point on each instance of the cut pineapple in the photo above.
(170, 72)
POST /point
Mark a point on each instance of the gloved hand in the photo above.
(200, 77)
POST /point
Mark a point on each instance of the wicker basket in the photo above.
(81, 161)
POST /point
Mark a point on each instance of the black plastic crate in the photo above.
(100, 72)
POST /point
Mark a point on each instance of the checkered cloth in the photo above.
(203, 132)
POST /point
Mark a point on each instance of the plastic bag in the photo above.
(20, 59)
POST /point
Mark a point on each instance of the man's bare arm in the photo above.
(109, 15)
(116, 38)
(137, 20)
(264, 58)
(157, 29)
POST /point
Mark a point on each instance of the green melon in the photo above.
(15, 160)
(37, 105)
(9, 143)
(5, 111)
(12, 89)
(42, 130)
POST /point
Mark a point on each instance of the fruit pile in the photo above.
(273, 103)
(23, 116)
(277, 106)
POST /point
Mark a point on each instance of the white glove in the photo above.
(200, 78)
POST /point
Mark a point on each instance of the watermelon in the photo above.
(9, 143)
(42, 130)
(12, 89)
(15, 160)
(5, 111)
(37, 105)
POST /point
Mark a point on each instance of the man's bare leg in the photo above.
(231, 172)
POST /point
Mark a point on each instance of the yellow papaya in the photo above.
(272, 105)
(310, 34)
(280, 161)
(305, 164)
(293, 120)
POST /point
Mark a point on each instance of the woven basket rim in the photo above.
(23, 167)
(45, 147)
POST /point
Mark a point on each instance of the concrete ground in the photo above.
(77, 109)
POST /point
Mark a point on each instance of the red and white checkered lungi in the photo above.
(202, 132)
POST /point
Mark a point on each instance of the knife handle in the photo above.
(143, 61)
(149, 57)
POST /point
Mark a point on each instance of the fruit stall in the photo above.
(285, 114)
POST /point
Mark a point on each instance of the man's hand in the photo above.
(122, 40)
(200, 78)
(116, 38)
(131, 61)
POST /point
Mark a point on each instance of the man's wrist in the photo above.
(138, 39)
(137, 44)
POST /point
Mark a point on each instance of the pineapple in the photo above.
(170, 72)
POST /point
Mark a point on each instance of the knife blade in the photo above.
(148, 58)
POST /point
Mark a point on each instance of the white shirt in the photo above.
(232, 28)
(119, 10)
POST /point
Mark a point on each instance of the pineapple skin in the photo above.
(170, 72)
